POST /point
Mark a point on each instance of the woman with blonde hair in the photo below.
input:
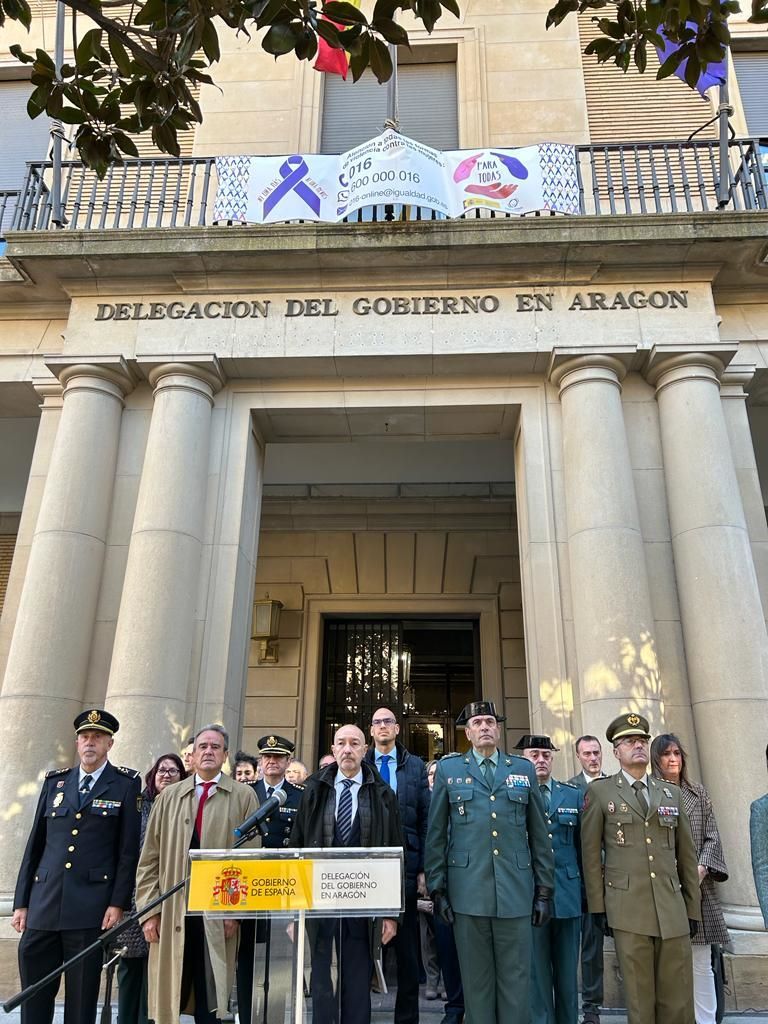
(669, 763)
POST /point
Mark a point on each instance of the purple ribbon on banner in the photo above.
(293, 172)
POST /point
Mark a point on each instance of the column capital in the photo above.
(735, 379)
(110, 375)
(568, 367)
(672, 364)
(201, 373)
(49, 391)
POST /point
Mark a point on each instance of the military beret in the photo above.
(530, 742)
(478, 707)
(98, 719)
(276, 745)
(628, 724)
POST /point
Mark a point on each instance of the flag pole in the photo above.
(393, 109)
(56, 126)
(724, 112)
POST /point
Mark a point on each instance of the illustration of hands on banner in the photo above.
(395, 170)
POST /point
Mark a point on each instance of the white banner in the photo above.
(395, 170)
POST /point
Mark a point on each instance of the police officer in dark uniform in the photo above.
(78, 871)
(275, 753)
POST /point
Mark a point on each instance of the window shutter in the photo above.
(354, 112)
(21, 139)
(7, 545)
(752, 75)
(637, 108)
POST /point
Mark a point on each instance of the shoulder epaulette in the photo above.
(447, 757)
(131, 772)
(608, 778)
(57, 771)
(570, 785)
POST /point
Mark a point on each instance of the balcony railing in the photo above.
(618, 178)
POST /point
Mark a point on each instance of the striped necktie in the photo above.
(344, 812)
(85, 789)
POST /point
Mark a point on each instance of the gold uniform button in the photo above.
(653, 874)
(495, 853)
(493, 814)
(493, 798)
(53, 814)
(550, 835)
(610, 884)
(106, 878)
(74, 831)
(67, 865)
(37, 878)
(647, 824)
(494, 833)
(104, 813)
(70, 849)
(648, 839)
(78, 816)
(650, 856)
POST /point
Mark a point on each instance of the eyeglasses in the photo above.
(383, 721)
(167, 771)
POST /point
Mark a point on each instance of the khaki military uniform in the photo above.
(648, 889)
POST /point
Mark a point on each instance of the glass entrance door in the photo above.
(424, 670)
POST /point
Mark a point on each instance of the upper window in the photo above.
(354, 112)
(752, 75)
(21, 139)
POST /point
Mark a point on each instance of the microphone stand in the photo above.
(104, 941)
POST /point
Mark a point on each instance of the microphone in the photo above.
(274, 803)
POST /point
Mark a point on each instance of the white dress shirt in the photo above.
(354, 790)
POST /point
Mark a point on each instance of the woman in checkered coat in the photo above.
(668, 761)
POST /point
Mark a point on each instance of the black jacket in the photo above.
(280, 823)
(79, 861)
(413, 800)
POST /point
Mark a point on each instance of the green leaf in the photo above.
(72, 115)
(37, 101)
(126, 144)
(88, 47)
(306, 46)
(20, 55)
(152, 12)
(343, 13)
(452, 6)
(385, 9)
(210, 43)
(610, 28)
(119, 56)
(328, 31)
(358, 60)
(380, 61)
(44, 60)
(641, 57)
(671, 64)
(280, 39)
(391, 31)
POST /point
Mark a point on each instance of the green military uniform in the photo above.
(487, 847)
(648, 888)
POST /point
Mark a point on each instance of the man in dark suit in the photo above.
(406, 774)
(589, 754)
(346, 804)
(78, 871)
(554, 979)
(276, 753)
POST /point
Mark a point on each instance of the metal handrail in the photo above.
(613, 178)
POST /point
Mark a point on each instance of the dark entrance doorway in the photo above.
(424, 670)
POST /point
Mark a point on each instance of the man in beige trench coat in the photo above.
(191, 960)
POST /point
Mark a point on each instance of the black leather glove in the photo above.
(602, 922)
(542, 906)
(441, 907)
(693, 927)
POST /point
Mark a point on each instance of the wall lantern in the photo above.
(409, 697)
(265, 629)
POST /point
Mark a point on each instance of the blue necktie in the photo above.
(85, 788)
(344, 814)
(384, 768)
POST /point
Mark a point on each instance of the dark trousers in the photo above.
(41, 952)
(196, 971)
(449, 965)
(554, 979)
(495, 958)
(591, 963)
(406, 946)
(132, 990)
(351, 1003)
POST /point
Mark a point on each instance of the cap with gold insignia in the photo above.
(98, 719)
(478, 707)
(528, 741)
(275, 745)
(628, 724)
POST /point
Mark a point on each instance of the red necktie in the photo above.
(199, 819)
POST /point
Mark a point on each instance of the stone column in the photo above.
(723, 624)
(48, 655)
(155, 637)
(732, 391)
(613, 619)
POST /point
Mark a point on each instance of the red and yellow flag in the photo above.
(329, 59)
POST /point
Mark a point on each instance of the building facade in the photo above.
(517, 458)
